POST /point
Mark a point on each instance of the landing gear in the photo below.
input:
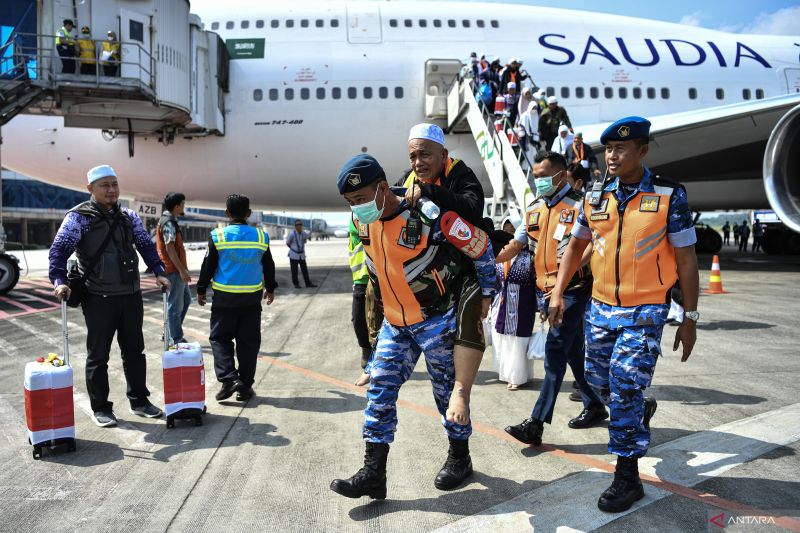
(9, 272)
(779, 239)
(708, 240)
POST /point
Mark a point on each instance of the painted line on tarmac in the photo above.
(600, 466)
(677, 462)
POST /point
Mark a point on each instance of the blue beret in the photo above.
(626, 129)
(358, 172)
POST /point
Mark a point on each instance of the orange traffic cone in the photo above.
(715, 281)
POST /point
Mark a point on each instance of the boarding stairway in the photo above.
(507, 165)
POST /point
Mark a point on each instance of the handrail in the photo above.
(45, 61)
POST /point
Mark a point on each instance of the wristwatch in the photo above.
(694, 316)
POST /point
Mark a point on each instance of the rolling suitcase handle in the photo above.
(64, 329)
(166, 328)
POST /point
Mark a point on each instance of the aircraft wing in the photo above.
(723, 143)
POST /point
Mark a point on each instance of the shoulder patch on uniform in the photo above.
(533, 218)
(567, 216)
(363, 230)
(469, 239)
(649, 203)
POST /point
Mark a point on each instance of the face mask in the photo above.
(544, 185)
(368, 213)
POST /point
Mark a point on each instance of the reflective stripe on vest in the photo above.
(65, 36)
(357, 257)
(541, 223)
(397, 266)
(633, 262)
(240, 250)
(447, 168)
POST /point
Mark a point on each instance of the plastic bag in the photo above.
(536, 345)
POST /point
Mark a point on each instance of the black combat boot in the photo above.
(625, 489)
(371, 479)
(457, 467)
(529, 431)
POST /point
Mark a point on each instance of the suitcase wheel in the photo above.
(170, 422)
(37, 452)
(198, 420)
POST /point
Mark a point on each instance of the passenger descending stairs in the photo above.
(503, 165)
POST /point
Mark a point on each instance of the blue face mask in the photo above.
(368, 213)
(545, 186)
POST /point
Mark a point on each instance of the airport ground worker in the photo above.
(643, 241)
(105, 238)
(88, 52)
(110, 55)
(416, 265)
(546, 232)
(65, 46)
(169, 242)
(239, 268)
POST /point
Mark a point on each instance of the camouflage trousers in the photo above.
(619, 367)
(392, 363)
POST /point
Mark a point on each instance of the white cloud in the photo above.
(692, 19)
(784, 21)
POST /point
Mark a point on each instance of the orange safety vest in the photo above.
(542, 223)
(413, 280)
(161, 248)
(447, 168)
(633, 262)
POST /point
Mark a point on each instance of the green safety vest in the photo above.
(65, 36)
(357, 257)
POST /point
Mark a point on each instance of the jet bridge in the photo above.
(450, 97)
(167, 77)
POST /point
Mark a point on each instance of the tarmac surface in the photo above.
(724, 448)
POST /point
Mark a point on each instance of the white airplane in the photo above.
(340, 78)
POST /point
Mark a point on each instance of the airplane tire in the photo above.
(774, 242)
(9, 273)
(792, 243)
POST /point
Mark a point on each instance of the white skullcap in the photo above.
(562, 128)
(540, 93)
(431, 132)
(515, 60)
(552, 100)
(99, 172)
(511, 85)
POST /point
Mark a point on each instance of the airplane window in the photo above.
(334, 23)
(665, 93)
(565, 92)
(304, 23)
(451, 23)
(367, 92)
(273, 94)
(336, 93)
(320, 93)
(651, 93)
(229, 25)
(495, 24)
(259, 24)
(383, 93)
(289, 94)
(693, 93)
(746, 94)
(623, 92)
(465, 23)
(258, 94)
(352, 92)
(608, 92)
(637, 92)
(759, 93)
(398, 92)
(274, 23)
(245, 24)
(594, 92)
(393, 23)
(305, 93)
(319, 23)
(290, 23)
(437, 23)
(408, 23)
(720, 94)
(215, 25)
(423, 23)
(579, 93)
(551, 91)
(480, 23)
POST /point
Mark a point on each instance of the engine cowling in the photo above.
(782, 169)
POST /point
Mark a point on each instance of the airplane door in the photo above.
(363, 23)
(135, 46)
(792, 79)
